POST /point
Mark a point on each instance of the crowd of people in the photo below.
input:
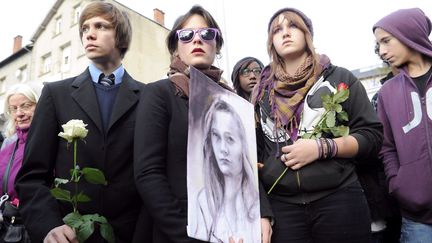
(369, 182)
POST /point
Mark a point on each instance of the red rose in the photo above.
(342, 86)
(15, 202)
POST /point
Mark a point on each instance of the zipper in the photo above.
(298, 180)
(425, 120)
(299, 187)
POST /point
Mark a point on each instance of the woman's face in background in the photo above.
(21, 109)
(250, 79)
(226, 143)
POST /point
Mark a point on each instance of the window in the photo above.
(21, 73)
(65, 61)
(46, 64)
(58, 25)
(76, 14)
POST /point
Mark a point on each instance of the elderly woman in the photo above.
(20, 103)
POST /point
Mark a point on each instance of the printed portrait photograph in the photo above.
(222, 177)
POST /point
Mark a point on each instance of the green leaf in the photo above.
(95, 218)
(101, 219)
(337, 108)
(327, 105)
(107, 232)
(61, 194)
(341, 96)
(73, 219)
(81, 197)
(327, 101)
(85, 230)
(59, 181)
(326, 98)
(342, 116)
(94, 176)
(308, 135)
(330, 119)
(335, 131)
(344, 131)
(340, 131)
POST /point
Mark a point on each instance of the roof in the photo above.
(16, 55)
(47, 19)
(57, 5)
(372, 71)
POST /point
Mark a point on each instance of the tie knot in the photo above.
(106, 80)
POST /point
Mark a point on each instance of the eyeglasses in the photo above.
(256, 71)
(24, 107)
(206, 34)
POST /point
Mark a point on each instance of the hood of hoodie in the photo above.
(411, 27)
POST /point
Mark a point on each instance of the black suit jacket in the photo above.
(161, 161)
(47, 156)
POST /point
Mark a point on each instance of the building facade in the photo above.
(371, 76)
(56, 51)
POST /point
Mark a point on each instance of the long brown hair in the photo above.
(214, 179)
(275, 59)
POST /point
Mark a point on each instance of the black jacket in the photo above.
(47, 156)
(161, 161)
(322, 177)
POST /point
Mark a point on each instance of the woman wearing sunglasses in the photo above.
(162, 125)
(318, 198)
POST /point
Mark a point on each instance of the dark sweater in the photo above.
(106, 96)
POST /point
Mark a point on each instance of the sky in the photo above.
(342, 29)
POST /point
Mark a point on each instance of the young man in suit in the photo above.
(109, 111)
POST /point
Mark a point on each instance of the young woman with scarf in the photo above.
(319, 198)
(162, 126)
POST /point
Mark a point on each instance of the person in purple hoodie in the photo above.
(20, 103)
(404, 106)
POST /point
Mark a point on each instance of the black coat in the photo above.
(161, 161)
(47, 157)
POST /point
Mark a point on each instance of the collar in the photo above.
(95, 73)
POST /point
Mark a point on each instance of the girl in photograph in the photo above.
(228, 203)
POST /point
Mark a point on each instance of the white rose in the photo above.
(73, 129)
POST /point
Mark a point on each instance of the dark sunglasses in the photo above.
(206, 34)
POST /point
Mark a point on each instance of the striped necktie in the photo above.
(106, 80)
